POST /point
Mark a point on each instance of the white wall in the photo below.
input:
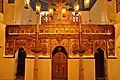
(9, 10)
(7, 69)
(103, 11)
(73, 69)
(17, 14)
(1, 18)
(13, 13)
(44, 69)
(118, 17)
(114, 64)
(2, 39)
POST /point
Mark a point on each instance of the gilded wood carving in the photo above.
(1, 6)
(50, 36)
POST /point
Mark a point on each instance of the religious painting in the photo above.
(9, 48)
(89, 49)
(45, 48)
(73, 45)
(118, 6)
(111, 48)
(28, 45)
(59, 63)
(17, 36)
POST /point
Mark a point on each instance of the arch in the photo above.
(59, 49)
(103, 49)
(100, 48)
(99, 64)
(59, 63)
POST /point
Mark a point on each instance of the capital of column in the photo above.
(36, 50)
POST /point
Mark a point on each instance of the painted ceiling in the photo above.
(45, 4)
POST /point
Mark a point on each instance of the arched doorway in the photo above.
(99, 65)
(20, 56)
(59, 64)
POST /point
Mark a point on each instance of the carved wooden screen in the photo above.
(117, 5)
(59, 66)
(1, 6)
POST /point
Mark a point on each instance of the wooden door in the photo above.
(59, 66)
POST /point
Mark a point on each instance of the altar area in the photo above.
(59, 44)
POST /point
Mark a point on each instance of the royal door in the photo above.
(59, 64)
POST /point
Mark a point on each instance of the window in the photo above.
(11, 1)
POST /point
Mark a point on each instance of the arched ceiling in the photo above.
(45, 4)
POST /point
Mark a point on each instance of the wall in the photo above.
(95, 12)
(1, 18)
(103, 11)
(13, 12)
(2, 39)
(85, 17)
(6, 69)
(114, 65)
(17, 14)
(73, 69)
(8, 12)
(7, 73)
(118, 17)
(44, 71)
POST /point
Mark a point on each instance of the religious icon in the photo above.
(111, 49)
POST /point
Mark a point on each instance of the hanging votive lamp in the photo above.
(63, 12)
(86, 3)
(26, 4)
(76, 7)
(51, 11)
(38, 7)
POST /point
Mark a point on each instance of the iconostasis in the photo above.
(51, 36)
